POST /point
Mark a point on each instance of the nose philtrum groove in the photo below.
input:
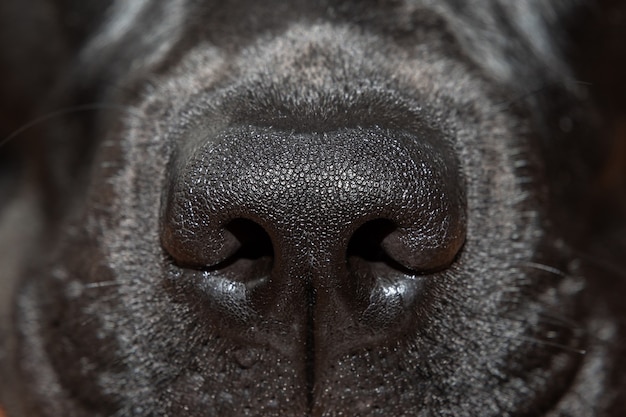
(256, 246)
(310, 363)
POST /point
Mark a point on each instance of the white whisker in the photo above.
(101, 284)
(549, 343)
(545, 268)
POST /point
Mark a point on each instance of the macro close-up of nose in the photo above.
(313, 243)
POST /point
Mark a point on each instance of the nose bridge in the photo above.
(329, 193)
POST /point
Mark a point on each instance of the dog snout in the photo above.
(323, 237)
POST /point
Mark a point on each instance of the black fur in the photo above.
(303, 208)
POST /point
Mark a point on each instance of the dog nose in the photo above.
(325, 239)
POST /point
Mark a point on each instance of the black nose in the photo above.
(303, 238)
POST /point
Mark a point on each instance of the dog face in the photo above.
(290, 209)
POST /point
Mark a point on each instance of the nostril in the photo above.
(384, 290)
(366, 246)
(422, 253)
(254, 241)
(381, 243)
(250, 257)
(389, 265)
(228, 290)
(251, 265)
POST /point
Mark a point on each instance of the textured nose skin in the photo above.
(314, 243)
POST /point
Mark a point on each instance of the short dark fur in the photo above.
(176, 131)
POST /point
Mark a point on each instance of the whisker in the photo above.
(559, 320)
(66, 111)
(526, 338)
(101, 284)
(544, 343)
(545, 268)
(505, 105)
(544, 318)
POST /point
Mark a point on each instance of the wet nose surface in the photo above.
(314, 243)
